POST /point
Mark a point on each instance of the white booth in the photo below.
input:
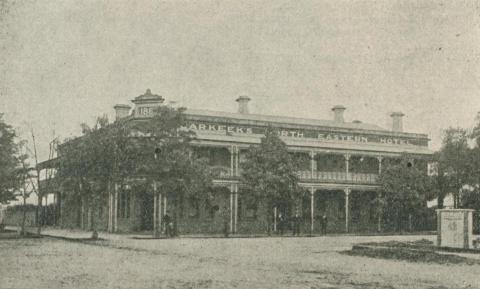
(454, 228)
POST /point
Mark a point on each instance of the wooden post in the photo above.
(60, 218)
(110, 209)
(232, 161)
(347, 193)
(161, 213)
(165, 204)
(82, 215)
(115, 208)
(313, 164)
(380, 213)
(82, 210)
(312, 209)
(155, 211)
(347, 165)
(380, 158)
(237, 156)
(54, 212)
(236, 210)
(275, 219)
(231, 209)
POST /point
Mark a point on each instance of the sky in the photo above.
(66, 62)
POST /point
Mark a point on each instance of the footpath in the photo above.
(82, 235)
(74, 235)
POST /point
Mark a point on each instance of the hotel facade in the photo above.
(339, 174)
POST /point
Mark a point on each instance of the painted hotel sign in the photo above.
(323, 135)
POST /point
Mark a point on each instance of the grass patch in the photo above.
(12, 235)
(423, 244)
(419, 251)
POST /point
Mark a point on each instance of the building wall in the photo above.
(204, 215)
(14, 216)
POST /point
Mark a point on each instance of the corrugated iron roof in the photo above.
(286, 119)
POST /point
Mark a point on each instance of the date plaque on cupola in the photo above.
(146, 103)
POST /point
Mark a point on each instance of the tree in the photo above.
(471, 196)
(8, 162)
(88, 165)
(157, 149)
(270, 173)
(36, 185)
(476, 130)
(23, 176)
(404, 191)
(453, 161)
(168, 160)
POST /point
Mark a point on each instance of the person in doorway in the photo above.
(324, 224)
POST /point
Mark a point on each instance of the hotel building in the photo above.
(342, 161)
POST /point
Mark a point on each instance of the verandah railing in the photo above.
(364, 178)
(339, 176)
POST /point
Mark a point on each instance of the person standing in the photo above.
(324, 224)
(168, 223)
(281, 223)
(296, 225)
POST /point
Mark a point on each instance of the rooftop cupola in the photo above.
(397, 121)
(243, 104)
(146, 103)
(338, 113)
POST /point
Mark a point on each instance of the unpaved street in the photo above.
(217, 263)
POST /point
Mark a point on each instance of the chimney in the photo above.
(338, 113)
(243, 104)
(397, 124)
(121, 111)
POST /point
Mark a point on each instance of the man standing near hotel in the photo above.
(296, 224)
(324, 224)
(168, 225)
(281, 223)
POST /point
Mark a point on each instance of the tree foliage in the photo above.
(458, 167)
(270, 172)
(470, 195)
(156, 149)
(88, 165)
(168, 159)
(10, 169)
(453, 159)
(476, 131)
(404, 190)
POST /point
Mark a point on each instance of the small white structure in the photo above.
(454, 228)
(447, 202)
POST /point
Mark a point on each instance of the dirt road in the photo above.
(217, 263)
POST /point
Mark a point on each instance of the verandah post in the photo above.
(347, 212)
(156, 210)
(312, 208)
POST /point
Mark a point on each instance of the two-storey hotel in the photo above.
(342, 161)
